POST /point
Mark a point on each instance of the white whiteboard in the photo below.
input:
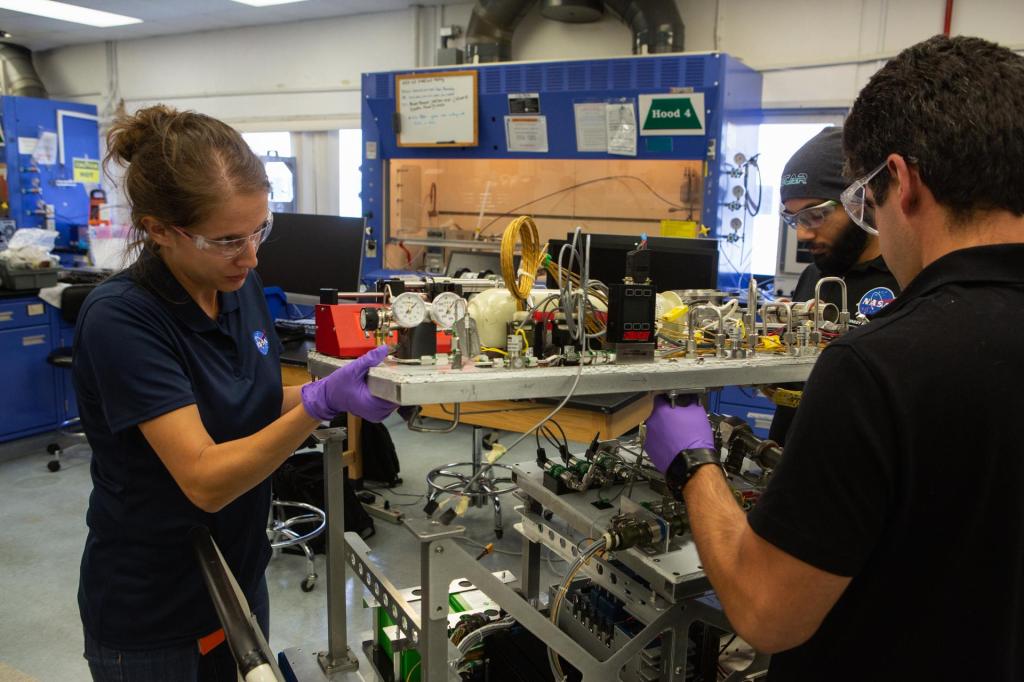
(437, 109)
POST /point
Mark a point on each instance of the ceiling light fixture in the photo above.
(267, 3)
(66, 12)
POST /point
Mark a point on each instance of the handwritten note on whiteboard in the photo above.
(437, 109)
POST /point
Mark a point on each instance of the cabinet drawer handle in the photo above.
(37, 340)
(6, 316)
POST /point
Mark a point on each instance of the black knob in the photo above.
(369, 319)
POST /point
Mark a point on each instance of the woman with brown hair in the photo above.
(179, 389)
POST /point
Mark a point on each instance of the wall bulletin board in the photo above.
(438, 109)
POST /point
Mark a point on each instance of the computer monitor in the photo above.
(306, 253)
(676, 263)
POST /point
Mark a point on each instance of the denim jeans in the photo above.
(181, 663)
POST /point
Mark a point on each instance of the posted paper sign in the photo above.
(45, 151)
(526, 133)
(86, 171)
(591, 127)
(27, 145)
(621, 121)
(672, 114)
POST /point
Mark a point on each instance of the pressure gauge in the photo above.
(369, 319)
(447, 309)
(409, 310)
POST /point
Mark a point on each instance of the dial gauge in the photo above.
(369, 319)
(409, 310)
(447, 309)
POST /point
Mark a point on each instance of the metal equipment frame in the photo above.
(675, 599)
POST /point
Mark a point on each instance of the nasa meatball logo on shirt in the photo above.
(875, 300)
(262, 344)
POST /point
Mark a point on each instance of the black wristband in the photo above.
(685, 465)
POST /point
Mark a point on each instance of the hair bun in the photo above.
(129, 133)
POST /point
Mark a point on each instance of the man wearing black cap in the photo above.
(811, 184)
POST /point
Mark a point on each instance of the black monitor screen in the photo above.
(305, 253)
(676, 263)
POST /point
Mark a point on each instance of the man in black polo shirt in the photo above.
(890, 543)
(811, 184)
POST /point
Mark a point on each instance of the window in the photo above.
(270, 144)
(281, 174)
(350, 158)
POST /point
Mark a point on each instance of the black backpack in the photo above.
(301, 479)
(380, 461)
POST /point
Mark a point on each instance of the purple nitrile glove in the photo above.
(671, 429)
(345, 390)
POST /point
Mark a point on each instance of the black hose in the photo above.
(238, 627)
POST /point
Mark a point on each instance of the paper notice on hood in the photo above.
(591, 127)
(621, 121)
(526, 133)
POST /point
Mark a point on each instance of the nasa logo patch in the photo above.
(875, 300)
(262, 344)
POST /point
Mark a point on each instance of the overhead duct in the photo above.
(17, 74)
(572, 11)
(489, 34)
(655, 24)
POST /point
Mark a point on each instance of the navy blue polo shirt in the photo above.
(144, 348)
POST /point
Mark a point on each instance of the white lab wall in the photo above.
(305, 75)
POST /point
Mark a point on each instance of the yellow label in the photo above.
(87, 171)
(679, 228)
(35, 309)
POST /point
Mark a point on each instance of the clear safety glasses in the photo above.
(854, 199)
(810, 218)
(231, 248)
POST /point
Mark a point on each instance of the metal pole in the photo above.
(338, 657)
(529, 578)
(433, 645)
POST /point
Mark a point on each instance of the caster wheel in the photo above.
(308, 583)
(53, 448)
(488, 441)
(53, 465)
(499, 533)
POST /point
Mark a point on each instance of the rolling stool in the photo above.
(450, 478)
(284, 517)
(71, 300)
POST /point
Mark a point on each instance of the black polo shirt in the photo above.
(869, 288)
(140, 352)
(904, 470)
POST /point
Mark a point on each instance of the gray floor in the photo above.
(43, 532)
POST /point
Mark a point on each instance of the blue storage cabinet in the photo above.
(32, 390)
(748, 404)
